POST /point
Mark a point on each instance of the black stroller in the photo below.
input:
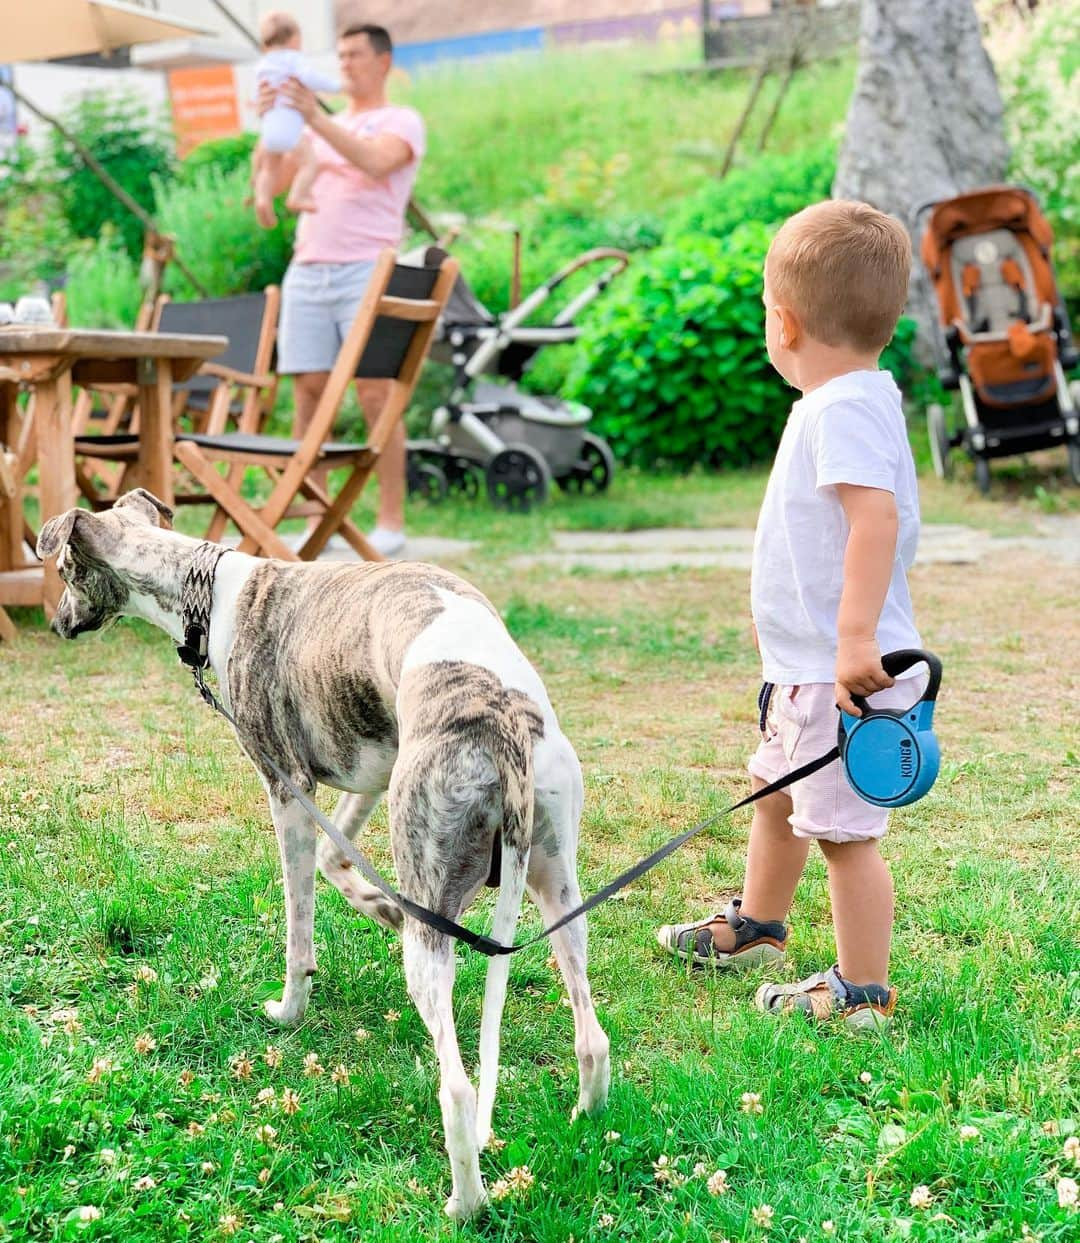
(490, 433)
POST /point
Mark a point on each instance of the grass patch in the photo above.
(142, 927)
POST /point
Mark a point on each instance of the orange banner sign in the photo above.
(204, 104)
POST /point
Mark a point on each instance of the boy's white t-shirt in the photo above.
(850, 430)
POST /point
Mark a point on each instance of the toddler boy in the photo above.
(836, 534)
(282, 127)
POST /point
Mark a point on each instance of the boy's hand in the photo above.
(858, 671)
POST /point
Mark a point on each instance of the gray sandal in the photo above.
(828, 995)
(756, 942)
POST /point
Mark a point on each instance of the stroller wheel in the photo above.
(517, 479)
(940, 443)
(427, 480)
(1074, 461)
(982, 475)
(594, 468)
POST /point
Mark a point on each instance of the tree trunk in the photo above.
(925, 120)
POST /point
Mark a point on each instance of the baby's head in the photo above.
(836, 281)
(278, 30)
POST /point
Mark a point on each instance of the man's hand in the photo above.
(264, 98)
(858, 671)
(297, 95)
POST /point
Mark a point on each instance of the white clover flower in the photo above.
(89, 1212)
(763, 1216)
(921, 1197)
(969, 1133)
(1068, 1193)
(717, 1184)
(1071, 1151)
(750, 1103)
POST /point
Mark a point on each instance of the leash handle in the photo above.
(441, 923)
(896, 663)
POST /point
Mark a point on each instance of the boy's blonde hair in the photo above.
(843, 268)
(276, 29)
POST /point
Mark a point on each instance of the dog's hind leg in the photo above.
(429, 973)
(350, 816)
(507, 909)
(296, 842)
(553, 885)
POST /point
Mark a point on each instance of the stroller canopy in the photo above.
(984, 248)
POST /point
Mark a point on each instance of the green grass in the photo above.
(521, 118)
(133, 833)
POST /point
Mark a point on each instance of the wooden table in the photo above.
(50, 361)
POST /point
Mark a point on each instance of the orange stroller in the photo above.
(1004, 340)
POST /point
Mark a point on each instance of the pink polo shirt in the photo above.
(359, 216)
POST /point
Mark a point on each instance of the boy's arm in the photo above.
(868, 568)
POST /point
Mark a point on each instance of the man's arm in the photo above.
(868, 568)
(378, 156)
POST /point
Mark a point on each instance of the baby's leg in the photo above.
(300, 192)
(861, 889)
(267, 173)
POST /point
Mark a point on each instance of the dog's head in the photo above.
(102, 559)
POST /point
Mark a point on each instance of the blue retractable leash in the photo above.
(891, 755)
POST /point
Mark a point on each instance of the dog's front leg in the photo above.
(296, 841)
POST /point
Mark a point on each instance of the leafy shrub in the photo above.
(769, 190)
(134, 148)
(674, 364)
(103, 289)
(217, 237)
(225, 155)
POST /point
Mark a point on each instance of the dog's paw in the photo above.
(461, 1208)
(277, 1012)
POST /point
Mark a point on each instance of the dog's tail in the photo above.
(514, 763)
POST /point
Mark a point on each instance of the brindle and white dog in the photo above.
(370, 678)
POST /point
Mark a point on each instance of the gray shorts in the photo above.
(318, 305)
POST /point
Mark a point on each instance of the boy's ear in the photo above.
(789, 326)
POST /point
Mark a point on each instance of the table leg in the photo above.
(11, 515)
(156, 427)
(56, 465)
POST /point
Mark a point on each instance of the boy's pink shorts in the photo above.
(801, 725)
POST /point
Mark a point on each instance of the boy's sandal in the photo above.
(828, 995)
(755, 942)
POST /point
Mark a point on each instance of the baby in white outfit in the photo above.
(282, 128)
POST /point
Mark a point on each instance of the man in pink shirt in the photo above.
(367, 158)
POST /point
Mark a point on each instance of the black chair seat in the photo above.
(276, 446)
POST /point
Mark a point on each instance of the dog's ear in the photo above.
(147, 505)
(58, 532)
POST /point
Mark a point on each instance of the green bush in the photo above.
(134, 148)
(225, 155)
(674, 364)
(769, 190)
(211, 216)
(103, 289)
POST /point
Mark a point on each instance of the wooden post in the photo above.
(156, 427)
(56, 462)
(729, 155)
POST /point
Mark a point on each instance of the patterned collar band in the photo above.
(196, 601)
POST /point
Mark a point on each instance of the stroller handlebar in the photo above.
(599, 253)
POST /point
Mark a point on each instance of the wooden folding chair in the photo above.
(389, 339)
(240, 385)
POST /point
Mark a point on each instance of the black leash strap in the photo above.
(195, 613)
(476, 940)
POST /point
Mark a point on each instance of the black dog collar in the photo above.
(196, 600)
